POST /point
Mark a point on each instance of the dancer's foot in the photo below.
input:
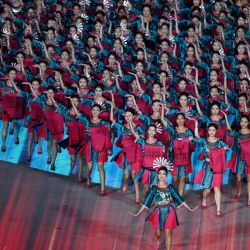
(123, 190)
(11, 132)
(136, 202)
(102, 193)
(49, 160)
(248, 204)
(204, 204)
(28, 158)
(39, 151)
(80, 179)
(3, 149)
(53, 167)
(16, 140)
(218, 214)
(88, 183)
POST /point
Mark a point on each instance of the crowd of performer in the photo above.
(157, 78)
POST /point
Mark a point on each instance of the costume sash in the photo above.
(217, 160)
(13, 105)
(151, 152)
(181, 152)
(100, 138)
(245, 150)
(54, 122)
(77, 134)
(37, 114)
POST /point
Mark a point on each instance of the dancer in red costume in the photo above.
(164, 217)
(243, 161)
(211, 174)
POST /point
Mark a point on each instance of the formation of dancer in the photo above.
(159, 79)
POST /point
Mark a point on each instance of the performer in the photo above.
(12, 107)
(130, 158)
(164, 217)
(211, 175)
(99, 145)
(180, 150)
(152, 148)
(243, 161)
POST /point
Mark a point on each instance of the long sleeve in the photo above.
(150, 197)
(178, 200)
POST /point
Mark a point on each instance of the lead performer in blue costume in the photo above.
(163, 217)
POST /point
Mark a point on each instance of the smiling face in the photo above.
(129, 117)
(95, 111)
(180, 120)
(244, 123)
(98, 92)
(151, 131)
(50, 94)
(211, 131)
(182, 85)
(35, 85)
(156, 106)
(213, 75)
(12, 75)
(162, 175)
(156, 89)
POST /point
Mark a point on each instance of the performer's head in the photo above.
(156, 106)
(244, 121)
(215, 108)
(35, 84)
(180, 119)
(162, 173)
(96, 110)
(83, 82)
(98, 90)
(151, 131)
(212, 129)
(183, 99)
(51, 90)
(129, 114)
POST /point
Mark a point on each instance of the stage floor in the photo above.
(39, 210)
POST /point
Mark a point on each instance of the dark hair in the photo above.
(212, 125)
(213, 104)
(242, 95)
(157, 83)
(180, 114)
(151, 125)
(96, 105)
(98, 86)
(162, 168)
(246, 117)
(183, 94)
(132, 111)
(51, 87)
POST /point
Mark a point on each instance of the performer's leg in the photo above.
(158, 238)
(137, 192)
(80, 166)
(40, 144)
(16, 130)
(4, 135)
(88, 173)
(29, 146)
(49, 148)
(176, 181)
(54, 154)
(217, 197)
(11, 132)
(72, 160)
(168, 238)
(125, 181)
(102, 176)
(248, 189)
(239, 185)
(182, 185)
(146, 189)
(206, 192)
